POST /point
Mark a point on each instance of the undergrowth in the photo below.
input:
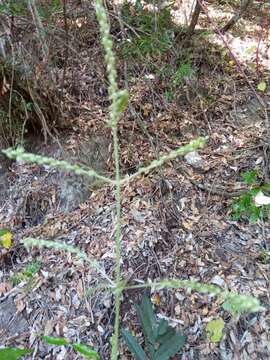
(151, 32)
(27, 102)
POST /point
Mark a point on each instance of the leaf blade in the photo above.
(134, 347)
(148, 323)
(87, 351)
(13, 353)
(170, 347)
(55, 341)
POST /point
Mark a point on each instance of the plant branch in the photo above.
(243, 303)
(20, 154)
(29, 242)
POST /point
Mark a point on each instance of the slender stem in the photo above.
(118, 99)
(114, 353)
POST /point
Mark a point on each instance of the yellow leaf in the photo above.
(6, 239)
(262, 86)
(214, 330)
(155, 299)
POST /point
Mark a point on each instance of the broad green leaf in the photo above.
(54, 340)
(87, 351)
(214, 330)
(164, 332)
(5, 238)
(148, 322)
(13, 353)
(133, 346)
(170, 347)
(254, 213)
(163, 327)
(261, 86)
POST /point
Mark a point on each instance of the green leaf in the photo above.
(163, 327)
(87, 351)
(31, 269)
(170, 347)
(266, 187)
(13, 353)
(54, 340)
(138, 6)
(254, 192)
(184, 71)
(4, 231)
(214, 330)
(164, 332)
(148, 322)
(121, 100)
(261, 86)
(249, 177)
(253, 213)
(133, 346)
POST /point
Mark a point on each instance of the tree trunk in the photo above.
(193, 22)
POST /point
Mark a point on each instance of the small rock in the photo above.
(179, 296)
(217, 280)
(137, 215)
(100, 329)
(195, 160)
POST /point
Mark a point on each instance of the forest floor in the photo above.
(176, 220)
